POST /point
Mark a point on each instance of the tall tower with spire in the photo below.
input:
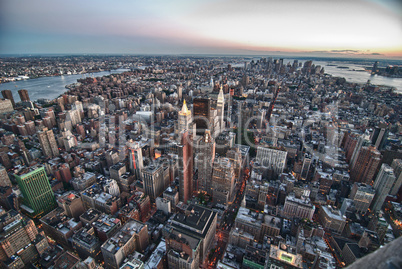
(220, 107)
(184, 118)
(205, 159)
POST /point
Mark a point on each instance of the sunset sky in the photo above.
(302, 27)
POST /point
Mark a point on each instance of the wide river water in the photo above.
(52, 87)
(49, 87)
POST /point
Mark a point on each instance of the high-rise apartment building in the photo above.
(205, 159)
(223, 181)
(366, 165)
(38, 195)
(362, 141)
(397, 166)
(24, 95)
(349, 143)
(48, 143)
(382, 185)
(380, 135)
(362, 196)
(185, 152)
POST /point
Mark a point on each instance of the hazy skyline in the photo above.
(315, 27)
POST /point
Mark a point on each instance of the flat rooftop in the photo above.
(123, 236)
(198, 220)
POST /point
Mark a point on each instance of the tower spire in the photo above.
(184, 109)
(221, 97)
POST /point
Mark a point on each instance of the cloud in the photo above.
(344, 51)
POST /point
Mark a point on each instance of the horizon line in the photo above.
(285, 55)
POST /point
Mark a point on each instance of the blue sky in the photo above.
(320, 27)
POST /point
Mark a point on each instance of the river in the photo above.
(49, 87)
(353, 72)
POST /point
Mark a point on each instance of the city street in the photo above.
(227, 224)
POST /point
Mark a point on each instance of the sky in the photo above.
(357, 28)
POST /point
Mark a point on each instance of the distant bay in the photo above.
(50, 87)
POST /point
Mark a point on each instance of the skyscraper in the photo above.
(397, 166)
(223, 181)
(48, 143)
(362, 196)
(205, 159)
(382, 185)
(38, 195)
(201, 112)
(152, 176)
(365, 165)
(362, 141)
(7, 94)
(306, 166)
(184, 118)
(380, 135)
(135, 159)
(24, 95)
(185, 152)
(220, 107)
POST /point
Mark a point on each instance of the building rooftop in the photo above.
(67, 198)
(333, 213)
(301, 201)
(134, 264)
(86, 237)
(26, 170)
(246, 215)
(59, 221)
(157, 256)
(123, 236)
(106, 223)
(170, 191)
(67, 260)
(196, 220)
(285, 256)
(90, 214)
(273, 221)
